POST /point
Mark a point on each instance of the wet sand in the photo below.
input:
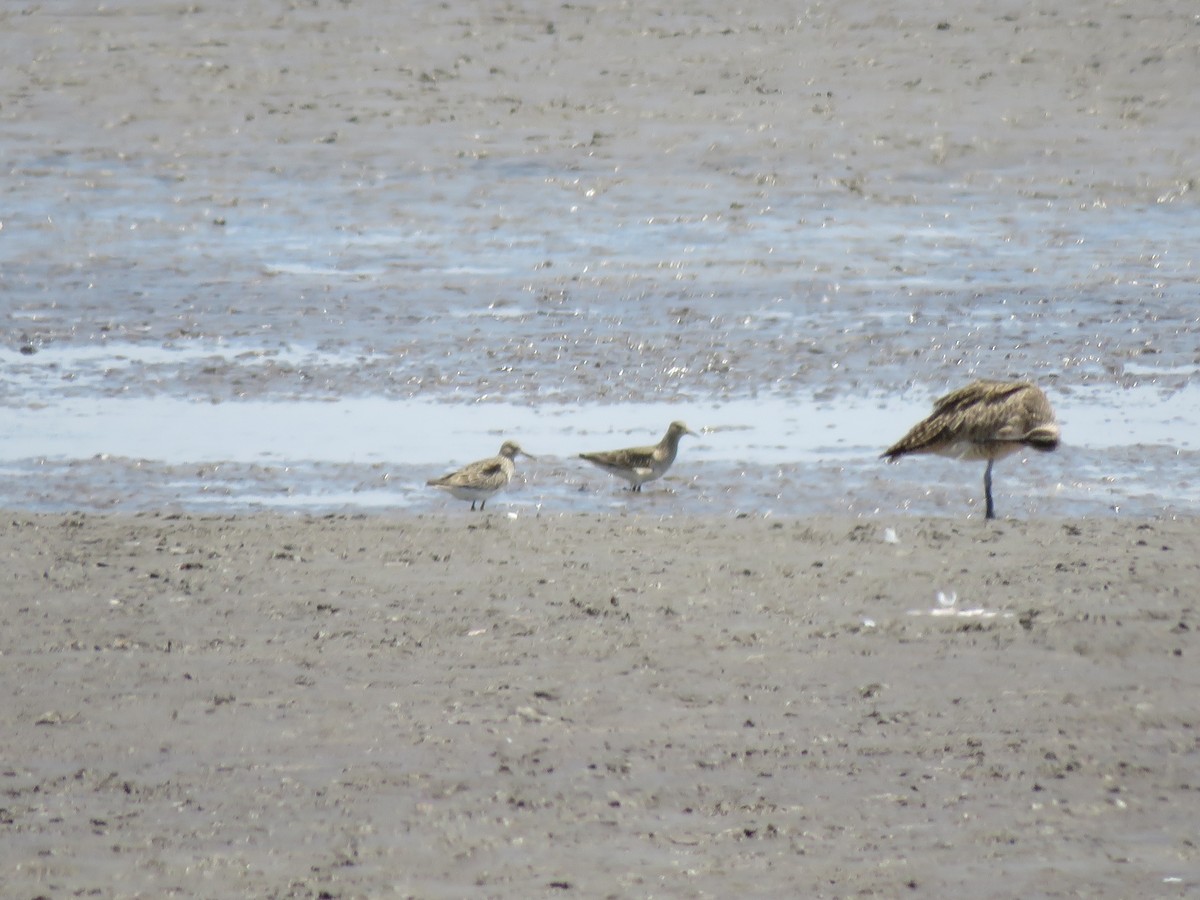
(556, 203)
(568, 204)
(586, 211)
(483, 705)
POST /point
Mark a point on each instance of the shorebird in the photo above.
(637, 465)
(984, 420)
(478, 481)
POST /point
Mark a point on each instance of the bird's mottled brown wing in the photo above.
(928, 435)
(979, 394)
(484, 473)
(980, 412)
(631, 458)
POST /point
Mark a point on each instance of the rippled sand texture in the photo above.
(835, 197)
(598, 706)
(216, 217)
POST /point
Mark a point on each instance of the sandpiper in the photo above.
(637, 465)
(478, 481)
(984, 420)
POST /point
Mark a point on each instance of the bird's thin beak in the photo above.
(528, 455)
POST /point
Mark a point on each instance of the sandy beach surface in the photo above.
(230, 237)
(264, 261)
(601, 706)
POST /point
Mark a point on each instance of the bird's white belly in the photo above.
(979, 450)
(463, 492)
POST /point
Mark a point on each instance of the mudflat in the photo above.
(587, 705)
(595, 704)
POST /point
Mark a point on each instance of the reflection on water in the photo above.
(766, 431)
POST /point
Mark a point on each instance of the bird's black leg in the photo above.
(987, 490)
(482, 504)
(472, 506)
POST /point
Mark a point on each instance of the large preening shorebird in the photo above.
(986, 420)
(478, 481)
(637, 465)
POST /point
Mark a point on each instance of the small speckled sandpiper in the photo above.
(637, 465)
(478, 481)
(984, 420)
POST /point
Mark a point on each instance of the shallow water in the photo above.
(787, 456)
(354, 402)
(329, 324)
